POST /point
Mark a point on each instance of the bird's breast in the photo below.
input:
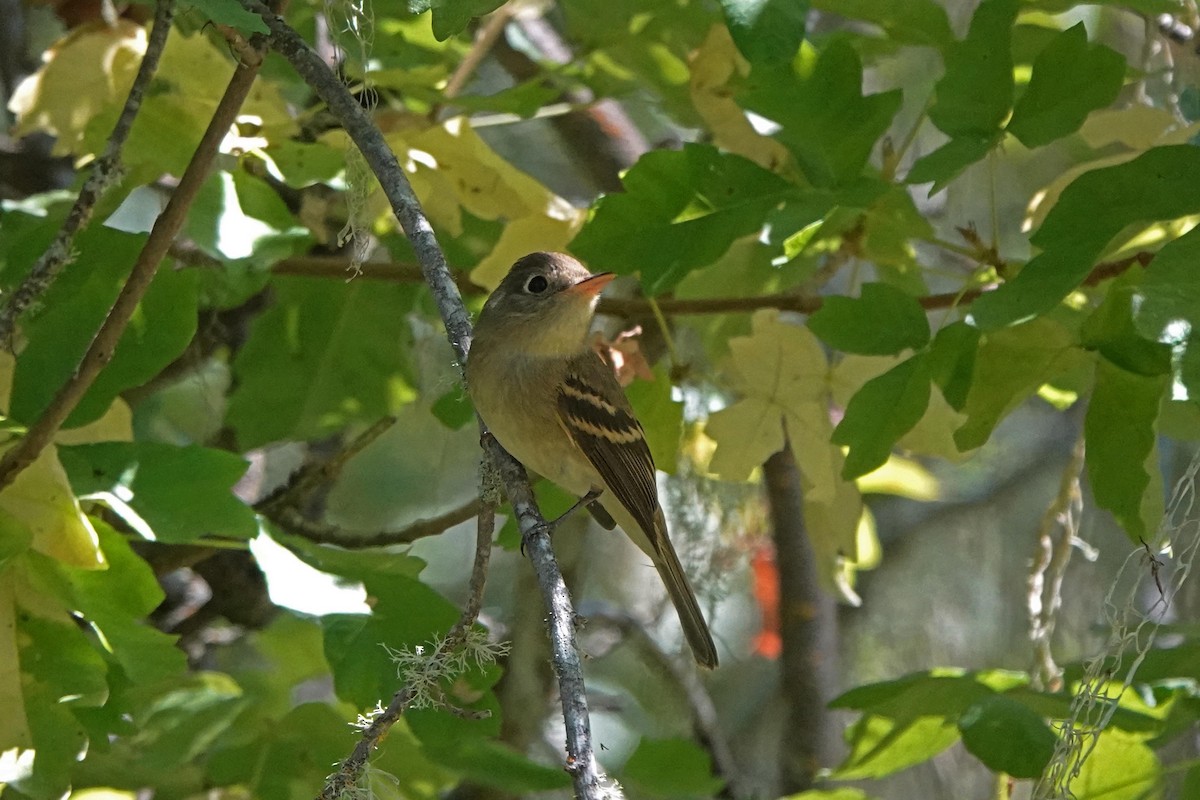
(518, 401)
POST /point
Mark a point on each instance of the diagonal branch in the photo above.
(407, 209)
(101, 350)
(106, 171)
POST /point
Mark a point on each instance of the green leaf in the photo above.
(681, 209)
(880, 746)
(1010, 365)
(325, 354)
(922, 22)
(73, 310)
(1007, 736)
(975, 94)
(452, 16)
(117, 601)
(182, 493)
(882, 321)
(231, 13)
(671, 768)
(883, 410)
(237, 217)
(1167, 304)
(59, 740)
(1110, 330)
(920, 694)
(454, 409)
(1120, 767)
(58, 655)
(181, 723)
(952, 361)
(1094, 208)
(660, 415)
(944, 164)
(493, 763)
(844, 793)
(1120, 436)
(406, 613)
(829, 125)
(1070, 80)
(766, 31)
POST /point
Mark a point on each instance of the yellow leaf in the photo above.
(197, 72)
(714, 65)
(8, 363)
(833, 517)
(115, 426)
(933, 435)
(476, 175)
(902, 477)
(14, 727)
(85, 72)
(780, 372)
(41, 499)
(522, 236)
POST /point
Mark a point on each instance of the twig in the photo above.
(101, 350)
(302, 482)
(803, 303)
(105, 172)
(336, 266)
(350, 770)
(379, 156)
(581, 761)
(485, 39)
(293, 522)
(704, 712)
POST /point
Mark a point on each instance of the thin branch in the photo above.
(485, 528)
(304, 480)
(295, 523)
(802, 303)
(379, 156)
(581, 763)
(336, 266)
(704, 712)
(485, 39)
(101, 350)
(339, 784)
(105, 172)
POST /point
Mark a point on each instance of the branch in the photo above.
(802, 303)
(106, 171)
(293, 522)
(304, 480)
(101, 350)
(340, 784)
(367, 137)
(806, 626)
(704, 712)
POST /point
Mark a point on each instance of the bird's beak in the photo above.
(590, 287)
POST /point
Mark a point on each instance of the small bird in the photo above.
(557, 407)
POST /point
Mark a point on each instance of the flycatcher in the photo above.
(557, 407)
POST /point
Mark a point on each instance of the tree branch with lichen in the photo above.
(581, 764)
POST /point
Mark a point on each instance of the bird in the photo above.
(556, 406)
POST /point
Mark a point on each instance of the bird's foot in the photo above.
(549, 526)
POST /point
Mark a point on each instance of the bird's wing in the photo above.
(599, 420)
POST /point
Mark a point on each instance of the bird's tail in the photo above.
(695, 629)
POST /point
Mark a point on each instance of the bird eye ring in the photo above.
(537, 284)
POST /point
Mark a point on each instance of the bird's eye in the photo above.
(537, 284)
